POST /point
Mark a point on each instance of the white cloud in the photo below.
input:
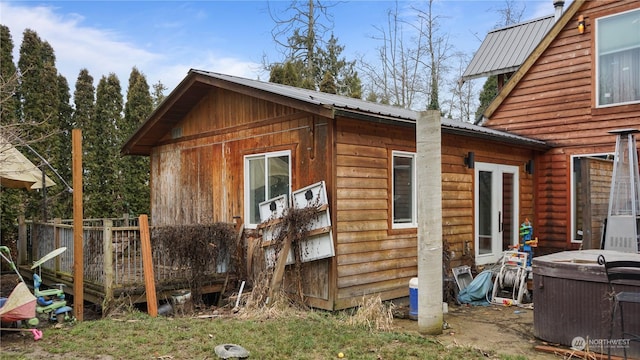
(101, 51)
(104, 51)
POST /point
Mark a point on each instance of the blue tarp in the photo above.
(478, 292)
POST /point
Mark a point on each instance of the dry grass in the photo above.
(373, 314)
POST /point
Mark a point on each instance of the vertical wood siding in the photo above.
(555, 102)
(199, 177)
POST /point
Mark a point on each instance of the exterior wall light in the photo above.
(581, 24)
(528, 167)
(469, 160)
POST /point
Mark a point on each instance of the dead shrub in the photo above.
(197, 250)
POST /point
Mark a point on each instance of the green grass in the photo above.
(312, 335)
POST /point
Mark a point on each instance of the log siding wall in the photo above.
(555, 102)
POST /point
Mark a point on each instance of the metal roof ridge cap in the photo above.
(520, 24)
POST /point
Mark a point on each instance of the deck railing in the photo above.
(112, 254)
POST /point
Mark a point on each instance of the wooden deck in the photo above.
(112, 260)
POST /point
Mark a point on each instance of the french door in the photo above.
(496, 210)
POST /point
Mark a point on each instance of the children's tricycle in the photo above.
(50, 302)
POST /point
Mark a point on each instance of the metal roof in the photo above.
(505, 49)
(316, 97)
(198, 82)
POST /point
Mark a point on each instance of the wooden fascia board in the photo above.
(154, 118)
(489, 73)
(321, 110)
(535, 55)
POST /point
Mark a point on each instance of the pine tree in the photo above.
(134, 181)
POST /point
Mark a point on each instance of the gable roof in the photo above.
(558, 26)
(505, 49)
(198, 83)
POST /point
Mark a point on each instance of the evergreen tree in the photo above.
(488, 93)
(9, 104)
(328, 84)
(83, 119)
(40, 106)
(102, 195)
(345, 78)
(287, 73)
(158, 94)
(62, 206)
(84, 100)
(10, 199)
(134, 181)
(308, 56)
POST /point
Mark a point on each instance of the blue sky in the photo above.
(164, 39)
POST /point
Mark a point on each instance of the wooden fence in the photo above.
(112, 263)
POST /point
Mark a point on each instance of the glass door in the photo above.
(496, 210)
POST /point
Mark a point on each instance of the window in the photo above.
(404, 190)
(590, 188)
(265, 177)
(618, 59)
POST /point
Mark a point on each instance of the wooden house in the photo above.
(580, 82)
(219, 145)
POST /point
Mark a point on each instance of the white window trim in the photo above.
(597, 64)
(247, 190)
(414, 205)
(573, 193)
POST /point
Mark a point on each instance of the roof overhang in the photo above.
(198, 84)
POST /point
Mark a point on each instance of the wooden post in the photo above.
(147, 264)
(22, 240)
(56, 242)
(429, 174)
(278, 272)
(585, 192)
(78, 257)
(107, 265)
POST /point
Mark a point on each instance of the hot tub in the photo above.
(572, 304)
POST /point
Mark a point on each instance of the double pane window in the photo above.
(266, 176)
(618, 58)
